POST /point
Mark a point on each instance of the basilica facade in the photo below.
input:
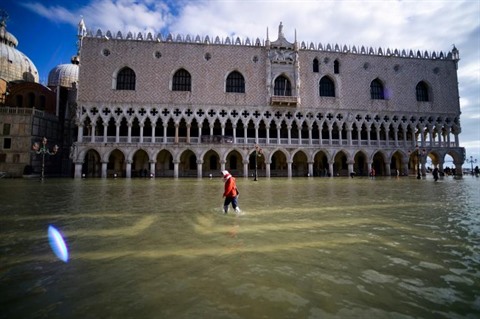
(191, 106)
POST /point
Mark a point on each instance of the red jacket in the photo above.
(230, 188)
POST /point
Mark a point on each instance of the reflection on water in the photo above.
(304, 248)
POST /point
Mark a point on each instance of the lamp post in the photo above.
(44, 150)
(471, 161)
(258, 152)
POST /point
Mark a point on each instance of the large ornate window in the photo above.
(126, 79)
(422, 92)
(376, 90)
(182, 81)
(327, 87)
(282, 86)
(235, 83)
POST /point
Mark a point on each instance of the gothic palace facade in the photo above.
(192, 106)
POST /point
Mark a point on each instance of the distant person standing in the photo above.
(435, 174)
(230, 192)
(372, 173)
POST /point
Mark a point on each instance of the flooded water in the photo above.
(304, 248)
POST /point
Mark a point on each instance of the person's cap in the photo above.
(225, 173)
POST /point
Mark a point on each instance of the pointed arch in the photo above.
(376, 90)
(125, 79)
(327, 87)
(315, 65)
(235, 83)
(422, 92)
(182, 81)
(282, 86)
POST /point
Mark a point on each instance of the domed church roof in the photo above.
(14, 65)
(64, 74)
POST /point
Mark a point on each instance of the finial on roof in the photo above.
(82, 29)
(280, 30)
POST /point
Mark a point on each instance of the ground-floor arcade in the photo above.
(204, 160)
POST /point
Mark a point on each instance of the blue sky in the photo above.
(46, 30)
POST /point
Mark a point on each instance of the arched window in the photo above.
(43, 102)
(235, 83)
(327, 87)
(126, 79)
(182, 81)
(422, 92)
(376, 90)
(31, 100)
(19, 100)
(282, 86)
(315, 65)
(336, 67)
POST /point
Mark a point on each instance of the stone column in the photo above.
(141, 132)
(289, 168)
(330, 128)
(78, 169)
(175, 168)
(350, 167)
(176, 133)
(245, 169)
(395, 134)
(152, 168)
(128, 169)
(199, 168)
(388, 171)
(105, 128)
(405, 166)
(80, 133)
(104, 169)
(154, 126)
(369, 167)
(310, 135)
(199, 133)
(310, 169)
(289, 131)
(222, 165)
(330, 168)
(188, 132)
(92, 133)
(267, 169)
(368, 137)
(349, 135)
(129, 137)
(117, 132)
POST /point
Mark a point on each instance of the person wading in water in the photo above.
(230, 192)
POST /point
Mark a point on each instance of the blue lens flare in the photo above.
(57, 243)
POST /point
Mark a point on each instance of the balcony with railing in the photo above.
(277, 100)
(273, 141)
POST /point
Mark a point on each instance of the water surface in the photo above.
(304, 248)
